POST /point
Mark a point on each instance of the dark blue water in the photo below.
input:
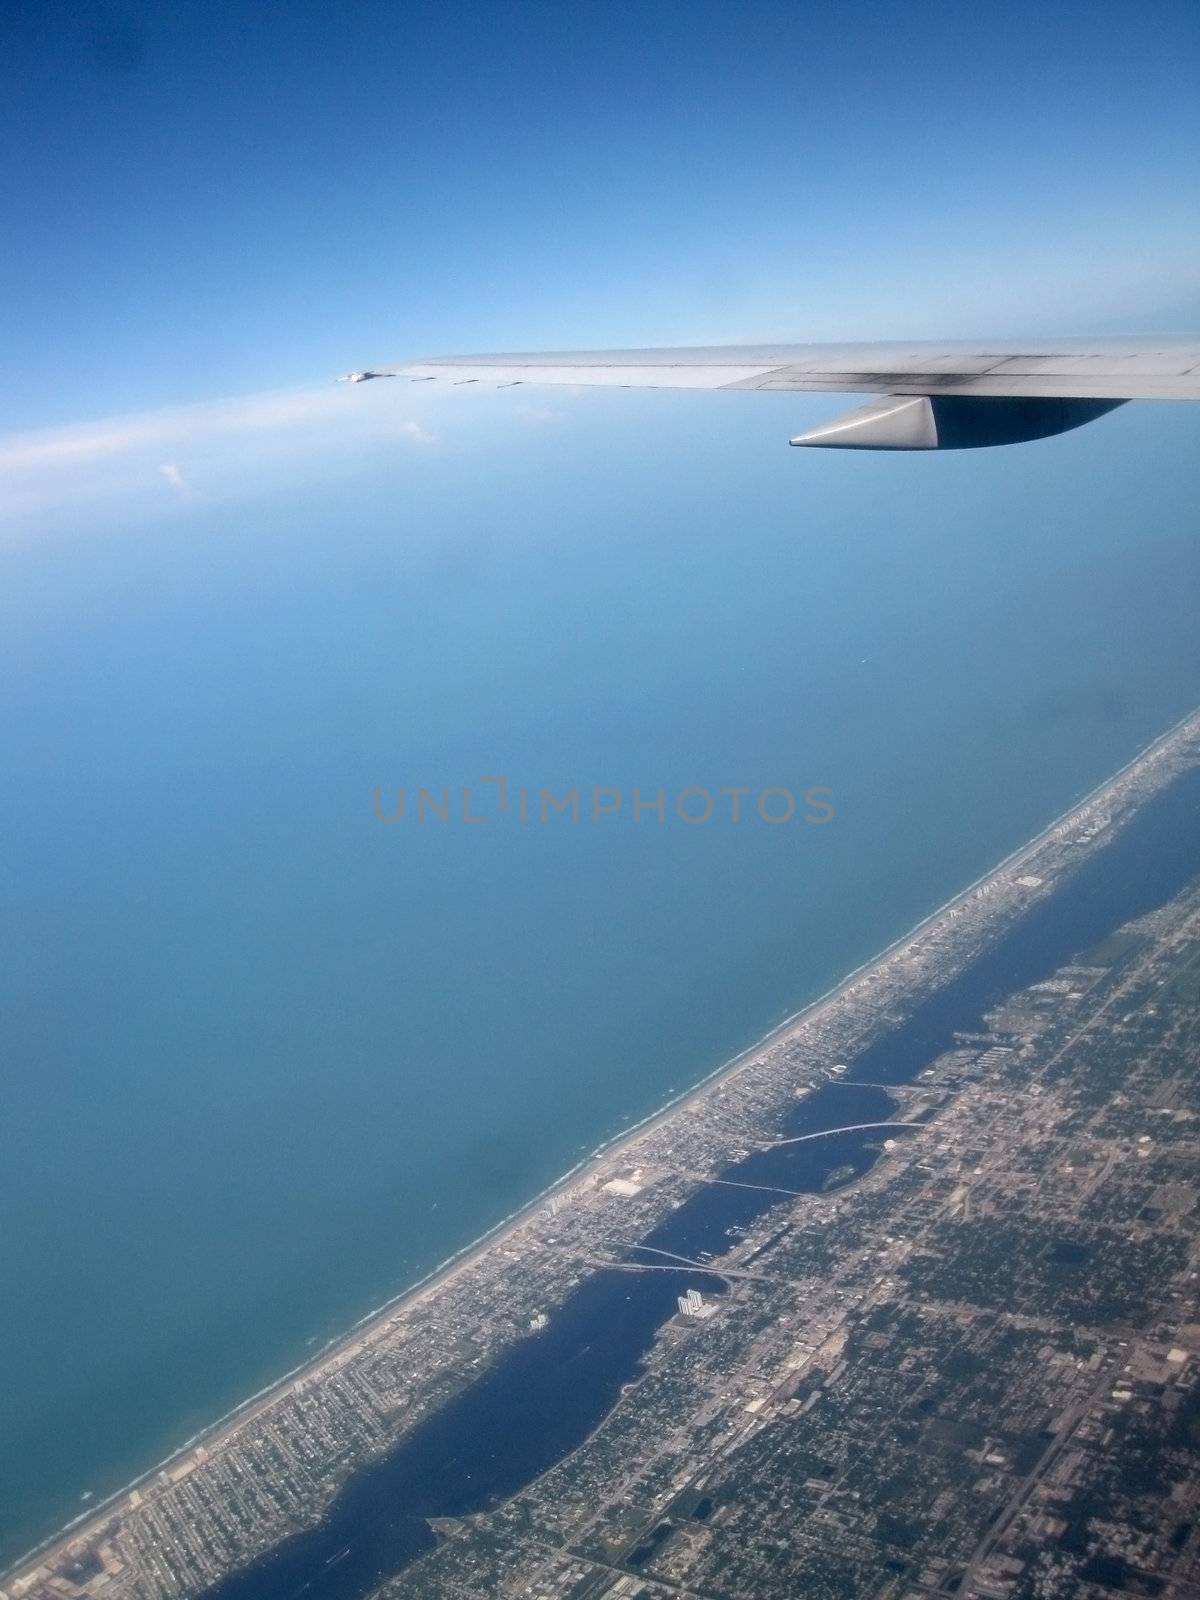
(1141, 869)
(548, 1392)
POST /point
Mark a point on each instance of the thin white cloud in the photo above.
(244, 445)
(90, 441)
(415, 432)
(538, 415)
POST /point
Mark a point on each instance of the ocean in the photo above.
(268, 1060)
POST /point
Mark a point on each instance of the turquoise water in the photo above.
(268, 1061)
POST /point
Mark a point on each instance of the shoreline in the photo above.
(361, 1331)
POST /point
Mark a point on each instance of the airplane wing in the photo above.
(936, 396)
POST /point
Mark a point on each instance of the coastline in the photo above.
(592, 1165)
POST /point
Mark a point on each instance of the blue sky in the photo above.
(208, 199)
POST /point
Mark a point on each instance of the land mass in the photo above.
(906, 1220)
